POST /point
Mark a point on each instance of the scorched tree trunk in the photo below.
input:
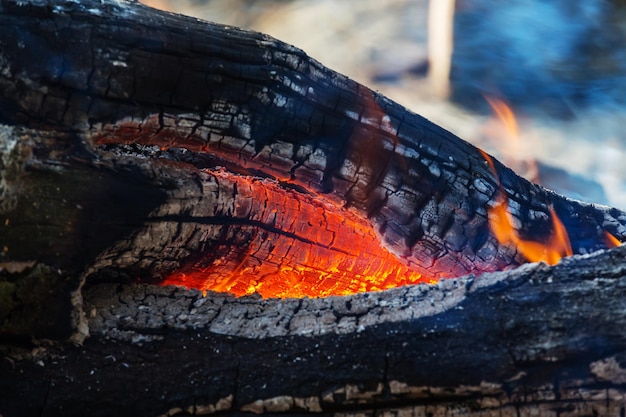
(141, 150)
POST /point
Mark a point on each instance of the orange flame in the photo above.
(511, 144)
(505, 115)
(556, 247)
(611, 241)
(558, 244)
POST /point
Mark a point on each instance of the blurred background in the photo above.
(540, 84)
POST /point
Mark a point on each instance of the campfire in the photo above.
(280, 230)
(556, 245)
(144, 153)
(295, 259)
(294, 241)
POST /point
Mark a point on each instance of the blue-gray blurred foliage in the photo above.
(547, 56)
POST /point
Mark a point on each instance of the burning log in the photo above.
(259, 109)
(142, 148)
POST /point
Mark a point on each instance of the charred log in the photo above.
(534, 341)
(258, 107)
(143, 146)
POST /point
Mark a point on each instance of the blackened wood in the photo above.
(255, 105)
(79, 79)
(525, 342)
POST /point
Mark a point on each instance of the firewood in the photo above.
(141, 148)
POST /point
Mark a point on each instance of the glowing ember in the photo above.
(277, 235)
(298, 245)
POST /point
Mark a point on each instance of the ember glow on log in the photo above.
(283, 237)
(309, 183)
(312, 248)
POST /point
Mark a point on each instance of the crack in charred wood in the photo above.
(234, 221)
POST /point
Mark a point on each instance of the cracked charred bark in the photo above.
(136, 143)
(535, 341)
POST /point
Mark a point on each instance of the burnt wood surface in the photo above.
(124, 133)
(123, 79)
(538, 340)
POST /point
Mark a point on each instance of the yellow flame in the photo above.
(556, 247)
(611, 241)
(506, 116)
(511, 145)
